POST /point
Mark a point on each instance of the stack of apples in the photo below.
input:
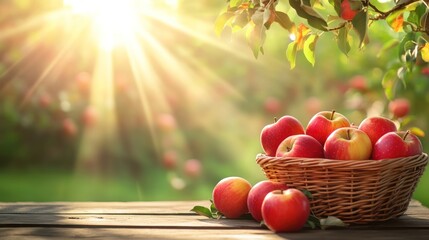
(282, 209)
(330, 135)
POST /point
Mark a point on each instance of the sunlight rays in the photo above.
(159, 61)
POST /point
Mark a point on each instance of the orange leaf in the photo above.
(398, 23)
(302, 31)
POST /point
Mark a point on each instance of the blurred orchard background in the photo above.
(109, 101)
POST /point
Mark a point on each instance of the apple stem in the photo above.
(332, 114)
(406, 134)
(275, 119)
(348, 134)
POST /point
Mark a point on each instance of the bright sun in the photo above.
(115, 22)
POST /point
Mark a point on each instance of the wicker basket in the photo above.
(355, 191)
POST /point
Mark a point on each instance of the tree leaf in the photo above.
(307, 193)
(203, 211)
(284, 21)
(411, 36)
(221, 21)
(309, 47)
(360, 24)
(255, 36)
(417, 131)
(424, 22)
(388, 82)
(342, 40)
(425, 52)
(291, 51)
(307, 12)
(331, 221)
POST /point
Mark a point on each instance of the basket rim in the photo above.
(263, 159)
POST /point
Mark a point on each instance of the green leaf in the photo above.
(255, 36)
(291, 50)
(309, 47)
(360, 24)
(411, 36)
(221, 21)
(337, 6)
(331, 221)
(342, 40)
(424, 22)
(388, 82)
(203, 211)
(307, 194)
(417, 131)
(307, 12)
(284, 21)
(241, 20)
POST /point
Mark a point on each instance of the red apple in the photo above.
(257, 195)
(399, 107)
(230, 196)
(347, 13)
(69, 127)
(193, 168)
(272, 105)
(397, 144)
(348, 144)
(300, 145)
(375, 127)
(169, 159)
(90, 116)
(324, 123)
(166, 122)
(273, 134)
(285, 211)
(358, 83)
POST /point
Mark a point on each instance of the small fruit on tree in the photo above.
(399, 107)
(273, 134)
(272, 105)
(257, 195)
(300, 145)
(324, 123)
(348, 144)
(347, 13)
(285, 211)
(375, 127)
(397, 144)
(193, 168)
(230, 196)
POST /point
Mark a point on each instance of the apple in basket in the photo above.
(257, 195)
(230, 196)
(273, 134)
(285, 211)
(300, 145)
(324, 123)
(375, 127)
(348, 144)
(397, 144)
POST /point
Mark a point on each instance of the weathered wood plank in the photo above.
(263, 234)
(160, 207)
(172, 221)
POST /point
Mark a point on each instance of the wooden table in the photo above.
(173, 220)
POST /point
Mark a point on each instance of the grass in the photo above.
(41, 186)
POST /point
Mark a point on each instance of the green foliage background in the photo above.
(221, 130)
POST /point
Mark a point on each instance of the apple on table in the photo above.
(257, 194)
(285, 211)
(230, 196)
